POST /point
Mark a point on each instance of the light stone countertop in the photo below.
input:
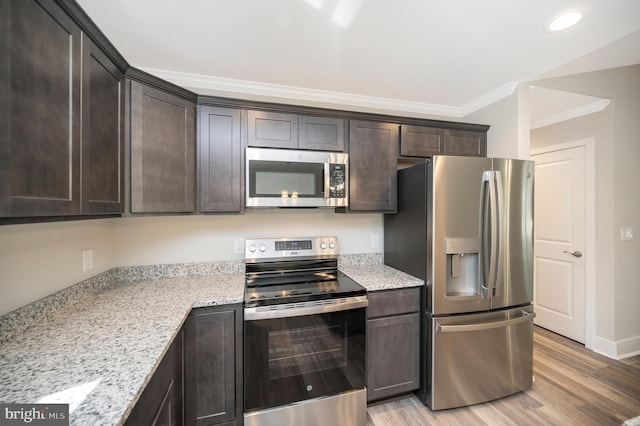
(380, 277)
(105, 348)
(108, 346)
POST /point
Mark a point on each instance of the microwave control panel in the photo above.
(337, 181)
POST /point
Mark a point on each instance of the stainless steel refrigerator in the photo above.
(465, 226)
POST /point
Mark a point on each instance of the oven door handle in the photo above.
(314, 307)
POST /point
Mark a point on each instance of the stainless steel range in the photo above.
(304, 335)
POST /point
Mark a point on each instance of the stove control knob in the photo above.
(262, 248)
(323, 245)
(252, 248)
(332, 245)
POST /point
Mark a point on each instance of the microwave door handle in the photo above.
(327, 179)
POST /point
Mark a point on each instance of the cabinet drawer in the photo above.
(393, 302)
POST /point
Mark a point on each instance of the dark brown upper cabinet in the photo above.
(270, 129)
(40, 82)
(464, 142)
(321, 133)
(103, 134)
(419, 141)
(61, 115)
(424, 142)
(373, 152)
(220, 160)
(163, 151)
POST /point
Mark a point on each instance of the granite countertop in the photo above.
(102, 351)
(380, 277)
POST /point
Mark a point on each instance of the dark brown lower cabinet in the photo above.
(393, 343)
(161, 402)
(213, 366)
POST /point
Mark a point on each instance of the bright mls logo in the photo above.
(36, 414)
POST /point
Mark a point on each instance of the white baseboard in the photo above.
(617, 350)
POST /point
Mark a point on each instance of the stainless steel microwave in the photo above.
(290, 178)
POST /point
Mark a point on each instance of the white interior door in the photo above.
(560, 241)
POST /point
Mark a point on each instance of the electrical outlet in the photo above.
(238, 246)
(87, 259)
(626, 234)
(375, 241)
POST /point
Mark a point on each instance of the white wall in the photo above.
(39, 259)
(618, 201)
(598, 126)
(178, 239)
(507, 118)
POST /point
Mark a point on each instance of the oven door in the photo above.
(296, 358)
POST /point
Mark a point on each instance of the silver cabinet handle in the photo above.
(575, 253)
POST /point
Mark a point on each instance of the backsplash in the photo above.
(15, 322)
(152, 272)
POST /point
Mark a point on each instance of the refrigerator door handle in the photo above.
(488, 229)
(526, 316)
(498, 227)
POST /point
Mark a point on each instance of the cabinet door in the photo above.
(220, 160)
(161, 400)
(102, 135)
(393, 356)
(272, 129)
(373, 153)
(40, 85)
(321, 133)
(212, 382)
(162, 151)
(418, 141)
(467, 143)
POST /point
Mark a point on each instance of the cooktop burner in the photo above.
(272, 294)
(288, 270)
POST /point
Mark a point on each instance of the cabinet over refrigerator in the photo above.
(465, 226)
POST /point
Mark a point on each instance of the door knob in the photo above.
(575, 253)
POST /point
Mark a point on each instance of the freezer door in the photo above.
(455, 275)
(479, 357)
(513, 284)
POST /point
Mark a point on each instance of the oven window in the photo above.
(306, 350)
(299, 358)
(285, 179)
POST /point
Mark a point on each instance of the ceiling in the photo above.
(429, 57)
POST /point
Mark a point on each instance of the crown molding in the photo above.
(569, 114)
(218, 86)
(490, 98)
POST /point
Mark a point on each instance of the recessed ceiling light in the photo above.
(564, 21)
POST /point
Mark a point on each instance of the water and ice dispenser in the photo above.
(462, 266)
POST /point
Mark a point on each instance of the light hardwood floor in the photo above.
(572, 386)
